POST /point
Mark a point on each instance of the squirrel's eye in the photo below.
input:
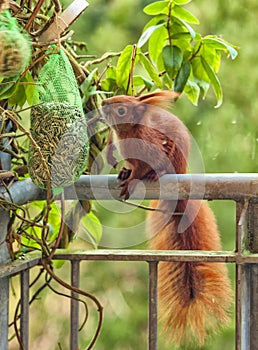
(121, 111)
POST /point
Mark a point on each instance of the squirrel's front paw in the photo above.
(124, 174)
(128, 187)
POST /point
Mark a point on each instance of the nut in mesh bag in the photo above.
(60, 132)
(14, 54)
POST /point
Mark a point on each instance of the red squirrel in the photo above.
(195, 297)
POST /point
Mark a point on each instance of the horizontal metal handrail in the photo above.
(32, 259)
(170, 186)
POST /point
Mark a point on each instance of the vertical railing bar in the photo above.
(252, 276)
(245, 307)
(24, 320)
(74, 311)
(253, 306)
(238, 269)
(4, 282)
(153, 304)
(241, 213)
(238, 308)
(241, 307)
(4, 312)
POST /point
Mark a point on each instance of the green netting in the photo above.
(15, 47)
(60, 132)
(58, 126)
(57, 82)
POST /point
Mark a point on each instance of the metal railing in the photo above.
(243, 189)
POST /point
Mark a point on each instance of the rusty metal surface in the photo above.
(4, 284)
(197, 186)
(242, 298)
(253, 308)
(33, 259)
(253, 226)
(164, 255)
(153, 305)
(11, 268)
(74, 306)
(24, 320)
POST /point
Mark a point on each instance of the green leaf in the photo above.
(124, 65)
(159, 19)
(167, 82)
(54, 220)
(204, 87)
(89, 87)
(31, 91)
(8, 88)
(156, 43)
(86, 85)
(214, 82)
(38, 205)
(185, 47)
(33, 231)
(188, 27)
(139, 80)
(111, 72)
(18, 97)
(58, 263)
(108, 85)
(212, 56)
(156, 8)
(25, 90)
(198, 70)
(93, 226)
(181, 36)
(182, 2)
(172, 58)
(200, 76)
(192, 91)
(220, 44)
(150, 69)
(182, 76)
(147, 33)
(184, 15)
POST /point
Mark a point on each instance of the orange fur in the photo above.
(162, 99)
(195, 297)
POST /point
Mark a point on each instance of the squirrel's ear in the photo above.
(139, 110)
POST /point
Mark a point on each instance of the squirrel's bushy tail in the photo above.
(195, 297)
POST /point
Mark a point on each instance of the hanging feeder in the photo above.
(60, 131)
(58, 126)
(15, 46)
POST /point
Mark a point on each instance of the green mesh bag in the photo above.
(58, 126)
(57, 82)
(16, 48)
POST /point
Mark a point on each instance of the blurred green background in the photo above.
(228, 140)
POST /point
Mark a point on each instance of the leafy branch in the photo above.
(178, 57)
